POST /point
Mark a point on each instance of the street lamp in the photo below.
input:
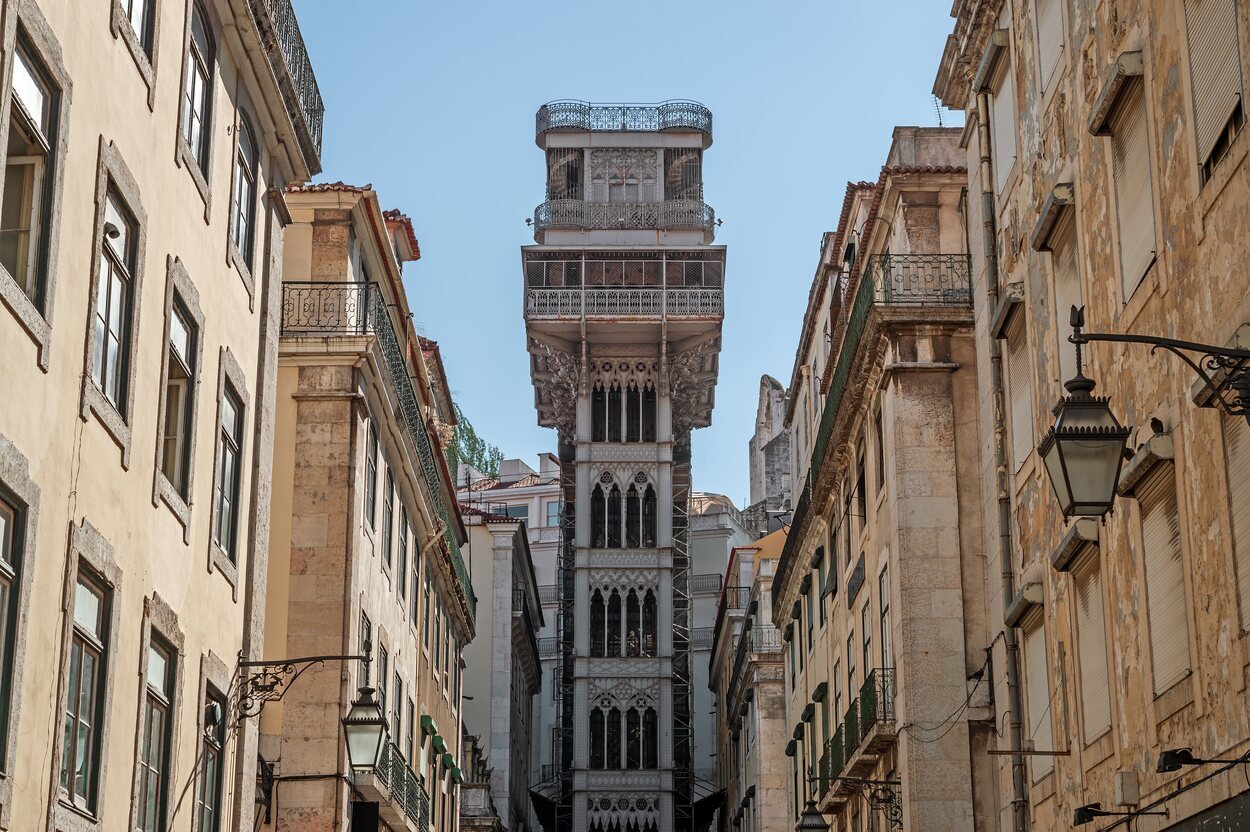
(811, 820)
(1173, 759)
(1084, 449)
(1090, 811)
(365, 726)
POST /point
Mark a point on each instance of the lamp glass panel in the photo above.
(1058, 482)
(1093, 464)
(366, 730)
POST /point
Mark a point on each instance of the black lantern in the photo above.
(365, 727)
(1084, 450)
(811, 820)
(1174, 759)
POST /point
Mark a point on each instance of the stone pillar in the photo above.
(501, 671)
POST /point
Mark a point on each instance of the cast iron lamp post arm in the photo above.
(266, 681)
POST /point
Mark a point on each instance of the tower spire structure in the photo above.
(624, 299)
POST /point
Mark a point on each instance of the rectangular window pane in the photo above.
(32, 91)
(1020, 391)
(88, 608)
(1037, 682)
(1133, 193)
(1165, 581)
(1091, 636)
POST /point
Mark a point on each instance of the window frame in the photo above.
(19, 492)
(371, 475)
(180, 292)
(142, 45)
(244, 169)
(29, 28)
(198, 162)
(113, 176)
(215, 677)
(160, 630)
(227, 561)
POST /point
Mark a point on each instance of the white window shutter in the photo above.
(1165, 580)
(1237, 454)
(1049, 37)
(1003, 124)
(1091, 634)
(1037, 681)
(1067, 294)
(1133, 195)
(1020, 391)
(1214, 67)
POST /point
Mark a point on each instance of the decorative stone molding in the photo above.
(620, 163)
(624, 371)
(623, 579)
(625, 693)
(556, 377)
(627, 810)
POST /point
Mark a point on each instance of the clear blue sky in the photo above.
(433, 103)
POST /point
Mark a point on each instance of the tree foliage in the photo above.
(468, 447)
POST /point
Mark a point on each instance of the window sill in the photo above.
(1043, 788)
(180, 508)
(94, 401)
(1221, 175)
(123, 29)
(1098, 750)
(239, 262)
(186, 158)
(39, 329)
(66, 817)
(1175, 698)
(219, 560)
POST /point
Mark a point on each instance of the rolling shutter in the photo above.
(1067, 294)
(1214, 68)
(1134, 202)
(1091, 637)
(1003, 124)
(1020, 390)
(1037, 680)
(1237, 451)
(1049, 37)
(1165, 580)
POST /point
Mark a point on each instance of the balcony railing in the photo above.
(666, 216)
(392, 769)
(340, 308)
(876, 700)
(288, 56)
(623, 118)
(548, 647)
(611, 303)
(548, 594)
(737, 597)
(611, 283)
(850, 728)
(701, 638)
(708, 582)
(833, 761)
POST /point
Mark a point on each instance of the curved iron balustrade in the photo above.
(580, 214)
(624, 118)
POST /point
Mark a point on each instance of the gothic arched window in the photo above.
(633, 739)
(649, 616)
(650, 738)
(598, 414)
(598, 628)
(598, 518)
(648, 414)
(633, 624)
(633, 518)
(614, 518)
(614, 624)
(614, 413)
(648, 517)
(596, 738)
(633, 414)
(614, 739)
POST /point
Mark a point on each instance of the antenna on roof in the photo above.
(937, 110)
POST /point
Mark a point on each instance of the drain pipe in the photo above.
(1020, 799)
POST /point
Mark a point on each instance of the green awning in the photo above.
(457, 775)
(449, 761)
(439, 744)
(428, 725)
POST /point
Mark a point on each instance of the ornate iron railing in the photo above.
(284, 43)
(610, 302)
(342, 308)
(876, 700)
(548, 594)
(549, 647)
(833, 761)
(921, 279)
(392, 769)
(580, 214)
(737, 597)
(701, 638)
(850, 725)
(707, 582)
(853, 329)
(789, 548)
(624, 118)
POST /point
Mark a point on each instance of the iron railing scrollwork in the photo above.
(393, 771)
(876, 700)
(623, 302)
(548, 594)
(666, 215)
(921, 279)
(701, 638)
(343, 308)
(284, 43)
(623, 118)
(706, 582)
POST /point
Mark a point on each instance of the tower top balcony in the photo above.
(675, 115)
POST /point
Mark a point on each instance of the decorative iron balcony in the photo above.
(288, 56)
(548, 647)
(666, 216)
(328, 309)
(876, 700)
(612, 283)
(709, 582)
(393, 771)
(701, 638)
(833, 761)
(548, 594)
(623, 118)
(737, 597)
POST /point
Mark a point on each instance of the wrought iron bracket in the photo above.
(881, 796)
(261, 682)
(1225, 371)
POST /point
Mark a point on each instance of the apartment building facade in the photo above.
(366, 556)
(747, 678)
(876, 590)
(140, 264)
(1106, 152)
(505, 671)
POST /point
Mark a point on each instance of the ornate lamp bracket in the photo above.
(1225, 371)
(881, 796)
(261, 682)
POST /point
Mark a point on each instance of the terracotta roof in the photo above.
(488, 516)
(395, 215)
(326, 187)
(524, 482)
